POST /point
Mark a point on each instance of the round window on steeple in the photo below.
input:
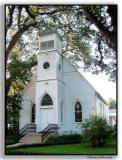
(46, 65)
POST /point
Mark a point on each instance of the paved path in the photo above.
(28, 139)
(19, 144)
(14, 145)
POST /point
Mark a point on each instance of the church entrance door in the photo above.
(47, 117)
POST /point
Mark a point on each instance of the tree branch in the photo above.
(53, 12)
(105, 32)
(11, 11)
(29, 13)
(16, 38)
(99, 49)
(8, 85)
(19, 15)
(112, 11)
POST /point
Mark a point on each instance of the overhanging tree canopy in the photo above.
(89, 33)
(75, 25)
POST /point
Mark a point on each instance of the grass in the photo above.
(68, 149)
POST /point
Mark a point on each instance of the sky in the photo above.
(105, 88)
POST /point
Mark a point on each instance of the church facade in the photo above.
(58, 93)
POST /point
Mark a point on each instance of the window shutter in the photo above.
(43, 45)
(51, 44)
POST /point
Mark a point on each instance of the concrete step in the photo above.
(31, 138)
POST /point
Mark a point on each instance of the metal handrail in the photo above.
(51, 128)
(27, 128)
(48, 129)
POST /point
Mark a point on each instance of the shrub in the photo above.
(96, 131)
(11, 139)
(64, 139)
(114, 131)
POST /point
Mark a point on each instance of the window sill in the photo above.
(46, 107)
(48, 50)
(78, 122)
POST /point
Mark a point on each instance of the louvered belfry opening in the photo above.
(47, 45)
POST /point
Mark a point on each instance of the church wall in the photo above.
(25, 114)
(102, 108)
(59, 67)
(76, 89)
(106, 112)
(45, 74)
(61, 101)
(28, 99)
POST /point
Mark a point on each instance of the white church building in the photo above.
(58, 94)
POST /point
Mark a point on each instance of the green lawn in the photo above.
(63, 149)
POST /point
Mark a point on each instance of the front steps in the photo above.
(31, 138)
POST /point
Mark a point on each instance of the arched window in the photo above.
(78, 112)
(33, 114)
(46, 100)
(61, 111)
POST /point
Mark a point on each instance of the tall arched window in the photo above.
(33, 114)
(46, 100)
(78, 112)
(61, 111)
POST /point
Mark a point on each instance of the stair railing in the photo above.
(51, 128)
(27, 128)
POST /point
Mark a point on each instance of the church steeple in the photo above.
(49, 77)
(49, 41)
(49, 55)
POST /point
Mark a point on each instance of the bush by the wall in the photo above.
(114, 131)
(11, 139)
(96, 131)
(64, 139)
